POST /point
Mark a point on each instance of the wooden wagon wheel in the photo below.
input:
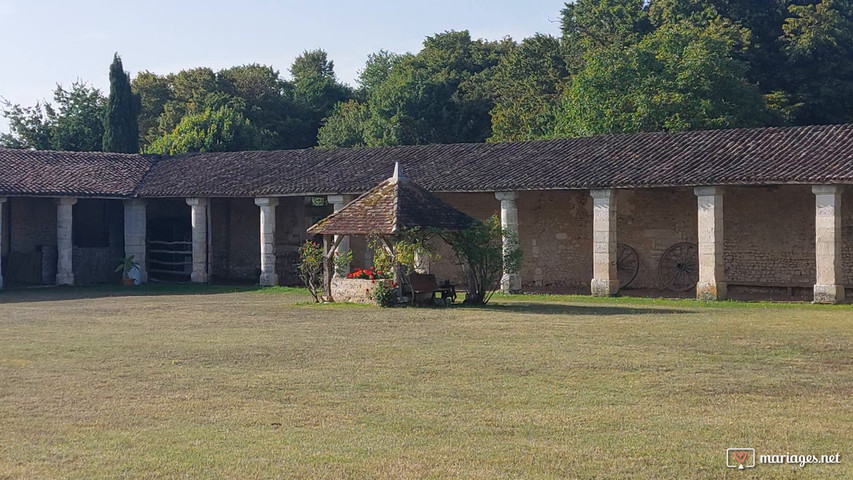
(627, 264)
(678, 268)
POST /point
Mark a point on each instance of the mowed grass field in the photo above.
(205, 383)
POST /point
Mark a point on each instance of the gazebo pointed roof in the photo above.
(396, 204)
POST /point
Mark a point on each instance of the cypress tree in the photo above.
(121, 123)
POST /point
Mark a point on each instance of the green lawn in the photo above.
(189, 382)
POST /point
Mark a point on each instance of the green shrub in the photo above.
(385, 293)
(481, 257)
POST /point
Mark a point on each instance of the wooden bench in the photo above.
(426, 284)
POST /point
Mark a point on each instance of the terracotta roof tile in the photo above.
(810, 154)
(39, 172)
(392, 206)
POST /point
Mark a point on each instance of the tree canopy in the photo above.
(617, 66)
(121, 127)
(73, 122)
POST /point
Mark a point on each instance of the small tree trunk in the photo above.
(328, 267)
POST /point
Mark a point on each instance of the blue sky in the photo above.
(50, 42)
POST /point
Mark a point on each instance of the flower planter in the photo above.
(354, 290)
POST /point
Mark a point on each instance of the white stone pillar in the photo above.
(339, 202)
(64, 241)
(829, 287)
(135, 224)
(605, 280)
(199, 228)
(510, 282)
(268, 276)
(2, 201)
(712, 262)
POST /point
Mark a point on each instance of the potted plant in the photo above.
(126, 267)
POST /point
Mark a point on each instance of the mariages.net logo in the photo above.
(743, 458)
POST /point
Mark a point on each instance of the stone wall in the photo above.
(33, 223)
(97, 264)
(769, 234)
(236, 244)
(651, 221)
(556, 233)
(235, 241)
(30, 238)
(31, 232)
(4, 229)
(847, 227)
(354, 290)
(477, 205)
(293, 217)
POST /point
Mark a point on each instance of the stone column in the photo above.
(510, 282)
(829, 286)
(199, 226)
(64, 241)
(338, 202)
(135, 223)
(605, 280)
(268, 276)
(712, 262)
(2, 201)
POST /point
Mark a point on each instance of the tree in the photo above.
(376, 71)
(121, 127)
(316, 91)
(481, 257)
(220, 130)
(72, 123)
(678, 78)
(818, 44)
(592, 24)
(440, 95)
(153, 92)
(528, 84)
(345, 126)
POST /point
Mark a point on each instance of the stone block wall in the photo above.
(847, 228)
(354, 290)
(236, 250)
(30, 234)
(293, 217)
(29, 229)
(235, 240)
(98, 264)
(769, 234)
(33, 223)
(4, 240)
(651, 221)
(555, 231)
(477, 205)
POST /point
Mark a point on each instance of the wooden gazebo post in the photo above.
(330, 244)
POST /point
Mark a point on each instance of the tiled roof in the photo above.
(392, 206)
(82, 174)
(812, 154)
(809, 155)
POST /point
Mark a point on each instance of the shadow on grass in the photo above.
(563, 309)
(48, 294)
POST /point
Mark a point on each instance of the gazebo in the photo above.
(395, 205)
